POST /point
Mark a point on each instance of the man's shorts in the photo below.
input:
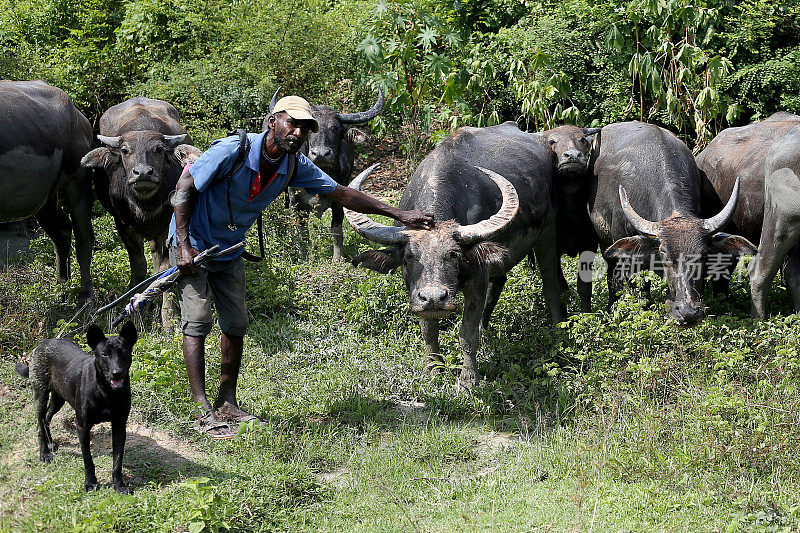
(222, 280)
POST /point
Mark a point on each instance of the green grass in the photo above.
(608, 422)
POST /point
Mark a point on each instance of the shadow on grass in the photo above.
(146, 459)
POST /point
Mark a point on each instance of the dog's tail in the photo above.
(22, 369)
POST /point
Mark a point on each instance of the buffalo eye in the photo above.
(125, 151)
(455, 254)
(552, 142)
(159, 149)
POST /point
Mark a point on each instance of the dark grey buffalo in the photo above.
(42, 139)
(740, 153)
(491, 191)
(145, 148)
(572, 147)
(781, 228)
(645, 206)
(331, 149)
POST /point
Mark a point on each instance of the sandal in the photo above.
(235, 415)
(216, 429)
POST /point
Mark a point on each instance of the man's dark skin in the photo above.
(285, 135)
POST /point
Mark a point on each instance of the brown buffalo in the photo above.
(572, 147)
(145, 148)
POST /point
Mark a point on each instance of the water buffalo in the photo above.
(572, 147)
(781, 228)
(491, 191)
(644, 202)
(740, 153)
(144, 149)
(331, 149)
(42, 139)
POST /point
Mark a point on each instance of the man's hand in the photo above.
(416, 219)
(185, 260)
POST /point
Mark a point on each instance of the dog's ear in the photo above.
(95, 335)
(128, 333)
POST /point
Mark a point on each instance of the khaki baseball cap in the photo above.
(297, 108)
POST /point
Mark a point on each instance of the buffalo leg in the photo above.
(585, 294)
(548, 259)
(433, 354)
(493, 293)
(615, 281)
(337, 217)
(79, 205)
(118, 436)
(55, 222)
(776, 241)
(160, 254)
(470, 332)
(563, 285)
(133, 244)
(301, 224)
(791, 276)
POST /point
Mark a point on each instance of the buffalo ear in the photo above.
(100, 158)
(486, 254)
(356, 136)
(629, 246)
(94, 336)
(731, 244)
(185, 154)
(128, 333)
(383, 261)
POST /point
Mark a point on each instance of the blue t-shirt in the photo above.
(209, 222)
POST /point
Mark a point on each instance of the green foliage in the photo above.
(671, 66)
(205, 503)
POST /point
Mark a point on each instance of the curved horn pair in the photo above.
(710, 225)
(471, 233)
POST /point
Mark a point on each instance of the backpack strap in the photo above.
(291, 172)
(244, 148)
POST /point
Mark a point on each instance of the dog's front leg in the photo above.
(84, 435)
(118, 435)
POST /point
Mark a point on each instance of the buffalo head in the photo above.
(330, 148)
(143, 157)
(436, 262)
(571, 148)
(681, 244)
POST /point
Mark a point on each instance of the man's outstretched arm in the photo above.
(358, 201)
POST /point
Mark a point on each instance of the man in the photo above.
(210, 209)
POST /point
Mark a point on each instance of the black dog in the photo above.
(97, 386)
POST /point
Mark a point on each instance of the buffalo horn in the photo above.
(113, 142)
(175, 140)
(591, 131)
(368, 228)
(486, 229)
(364, 116)
(642, 225)
(274, 99)
(715, 223)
